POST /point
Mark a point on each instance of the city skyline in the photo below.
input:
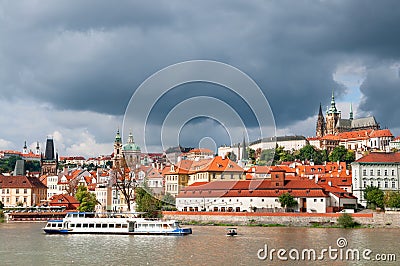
(69, 73)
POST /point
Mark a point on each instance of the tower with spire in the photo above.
(332, 118)
(25, 149)
(117, 155)
(49, 161)
(335, 124)
(37, 148)
(320, 129)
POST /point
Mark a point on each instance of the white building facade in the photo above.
(380, 170)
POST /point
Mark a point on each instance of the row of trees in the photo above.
(308, 152)
(7, 165)
(376, 198)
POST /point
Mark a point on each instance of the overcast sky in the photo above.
(69, 68)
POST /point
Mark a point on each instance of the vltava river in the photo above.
(25, 244)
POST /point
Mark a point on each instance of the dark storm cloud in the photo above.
(91, 55)
(381, 89)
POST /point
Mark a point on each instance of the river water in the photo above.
(25, 244)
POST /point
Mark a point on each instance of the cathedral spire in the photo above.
(320, 110)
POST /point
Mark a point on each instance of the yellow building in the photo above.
(28, 191)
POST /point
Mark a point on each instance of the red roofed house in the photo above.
(262, 195)
(64, 200)
(188, 172)
(27, 190)
(381, 170)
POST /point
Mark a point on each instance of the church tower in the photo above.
(25, 149)
(37, 148)
(332, 118)
(49, 162)
(117, 157)
(320, 129)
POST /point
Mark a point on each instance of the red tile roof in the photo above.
(20, 182)
(376, 157)
(381, 133)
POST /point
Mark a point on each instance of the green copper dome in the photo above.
(131, 145)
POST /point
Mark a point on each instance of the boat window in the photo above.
(111, 225)
(74, 215)
(72, 225)
(98, 225)
(91, 225)
(118, 226)
(165, 226)
(48, 225)
(78, 225)
(81, 215)
(103, 225)
(124, 226)
(85, 225)
(59, 225)
(53, 225)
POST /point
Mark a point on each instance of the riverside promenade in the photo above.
(373, 219)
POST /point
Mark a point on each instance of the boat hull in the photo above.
(184, 231)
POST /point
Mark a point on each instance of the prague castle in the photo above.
(334, 124)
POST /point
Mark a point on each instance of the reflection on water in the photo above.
(25, 244)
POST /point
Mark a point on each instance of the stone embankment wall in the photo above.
(376, 219)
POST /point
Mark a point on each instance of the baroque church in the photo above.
(129, 152)
(334, 124)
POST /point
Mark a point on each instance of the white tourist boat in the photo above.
(113, 223)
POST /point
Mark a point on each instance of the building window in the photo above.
(365, 183)
(393, 184)
(17, 191)
(251, 200)
(364, 172)
(371, 172)
(315, 200)
(392, 172)
(262, 200)
(386, 184)
(378, 172)
(322, 200)
(386, 172)
(25, 191)
(379, 184)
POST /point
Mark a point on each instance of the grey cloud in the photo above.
(92, 55)
(381, 91)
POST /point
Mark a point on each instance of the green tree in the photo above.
(266, 156)
(32, 166)
(87, 200)
(392, 199)
(169, 199)
(341, 154)
(309, 152)
(346, 221)
(232, 156)
(287, 200)
(252, 154)
(145, 202)
(374, 197)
